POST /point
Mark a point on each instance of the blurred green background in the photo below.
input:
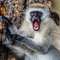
(56, 6)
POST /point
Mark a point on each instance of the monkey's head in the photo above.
(35, 14)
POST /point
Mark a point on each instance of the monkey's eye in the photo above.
(32, 13)
(39, 13)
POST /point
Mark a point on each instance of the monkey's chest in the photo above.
(27, 35)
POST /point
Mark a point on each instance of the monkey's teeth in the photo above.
(33, 20)
(38, 20)
(35, 28)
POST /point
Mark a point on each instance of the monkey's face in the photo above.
(36, 19)
(35, 16)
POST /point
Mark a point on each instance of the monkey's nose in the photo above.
(35, 13)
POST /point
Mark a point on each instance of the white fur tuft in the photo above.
(45, 13)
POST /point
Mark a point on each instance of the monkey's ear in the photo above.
(55, 17)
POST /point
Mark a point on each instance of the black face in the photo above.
(36, 19)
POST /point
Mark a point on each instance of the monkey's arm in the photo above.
(17, 39)
(7, 40)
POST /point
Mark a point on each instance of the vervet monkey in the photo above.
(38, 33)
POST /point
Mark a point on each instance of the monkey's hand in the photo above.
(6, 35)
(17, 39)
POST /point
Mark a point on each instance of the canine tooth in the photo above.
(33, 19)
(38, 20)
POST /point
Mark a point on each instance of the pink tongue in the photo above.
(36, 25)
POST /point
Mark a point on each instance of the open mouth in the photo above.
(36, 24)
